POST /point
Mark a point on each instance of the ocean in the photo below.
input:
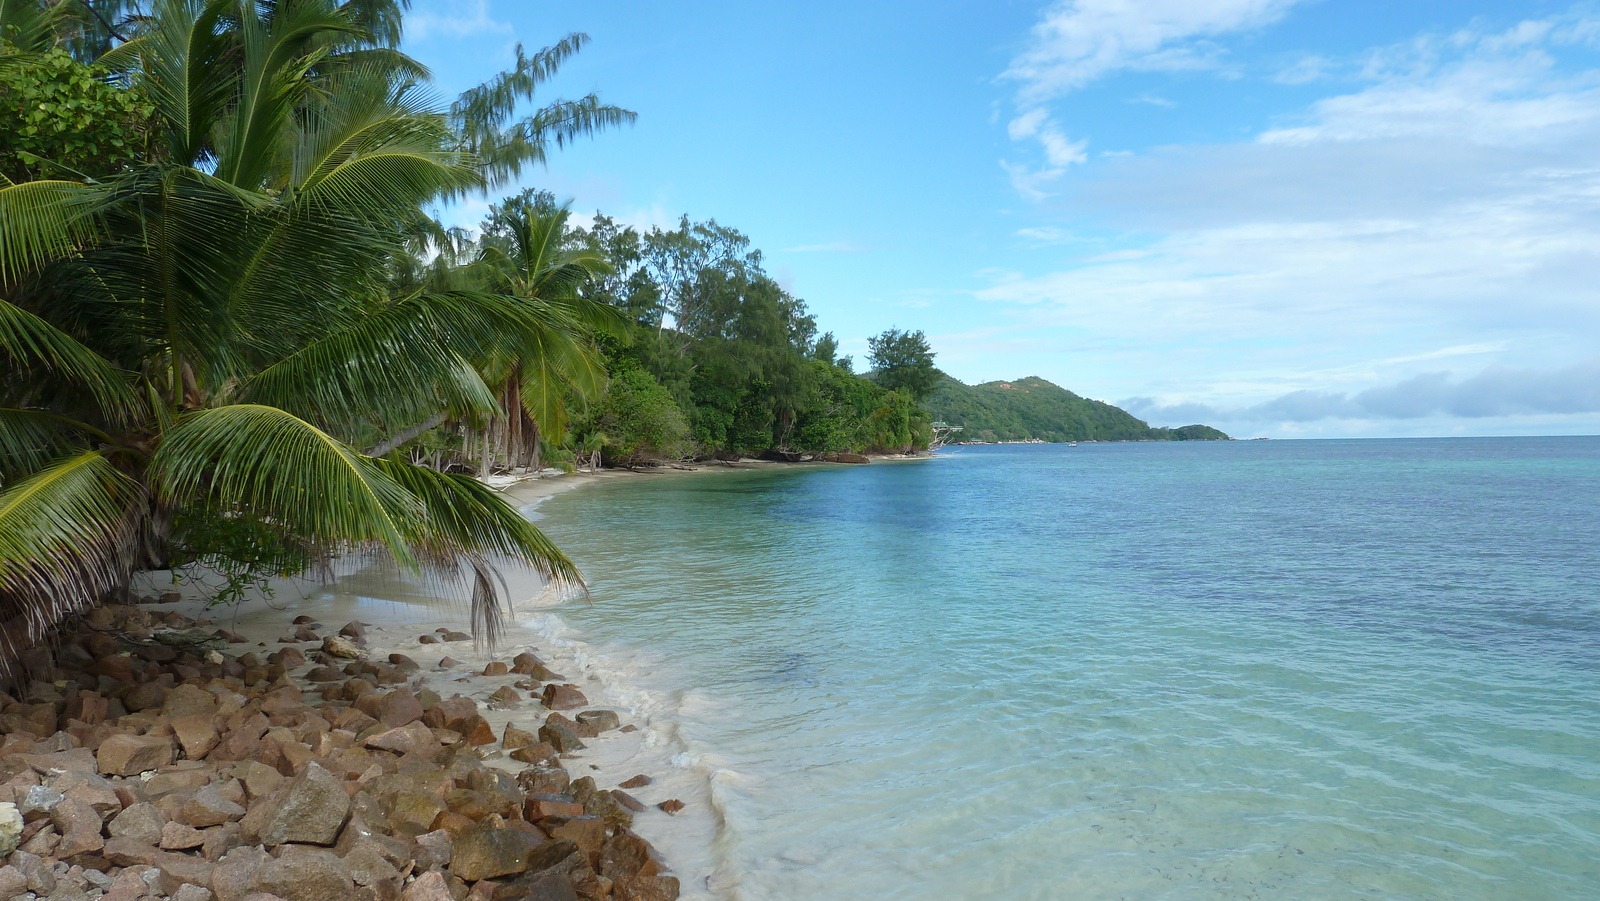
(1231, 670)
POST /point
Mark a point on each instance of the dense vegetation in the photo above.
(216, 322)
(1033, 408)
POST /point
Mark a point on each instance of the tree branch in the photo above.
(404, 435)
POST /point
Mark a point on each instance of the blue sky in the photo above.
(1282, 217)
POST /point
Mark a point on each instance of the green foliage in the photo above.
(638, 421)
(61, 118)
(903, 361)
(231, 556)
(1194, 433)
(1034, 408)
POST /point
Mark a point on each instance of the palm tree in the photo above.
(208, 338)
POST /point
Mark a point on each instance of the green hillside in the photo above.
(1034, 408)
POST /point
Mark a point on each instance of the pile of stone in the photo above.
(140, 760)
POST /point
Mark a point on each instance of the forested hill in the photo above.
(1034, 408)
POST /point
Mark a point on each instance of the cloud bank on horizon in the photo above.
(1425, 195)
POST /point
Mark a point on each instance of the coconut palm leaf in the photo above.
(44, 220)
(30, 439)
(280, 468)
(67, 535)
(30, 346)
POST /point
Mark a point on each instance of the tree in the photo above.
(210, 336)
(903, 360)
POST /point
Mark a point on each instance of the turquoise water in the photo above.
(1331, 669)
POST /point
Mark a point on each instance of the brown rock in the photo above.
(178, 837)
(563, 739)
(485, 853)
(189, 700)
(430, 886)
(259, 779)
(455, 636)
(414, 813)
(627, 800)
(145, 696)
(79, 827)
(671, 806)
(626, 856)
(475, 730)
(564, 697)
(543, 752)
(544, 780)
(548, 887)
(607, 807)
(196, 735)
(340, 646)
(140, 822)
(504, 696)
(496, 668)
(427, 639)
(238, 874)
(600, 720)
(588, 833)
(311, 810)
(308, 875)
(208, 807)
(399, 708)
(517, 738)
(306, 633)
(414, 738)
(12, 882)
(639, 781)
(448, 662)
(537, 807)
(130, 755)
(181, 869)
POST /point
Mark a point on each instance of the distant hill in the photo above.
(1034, 408)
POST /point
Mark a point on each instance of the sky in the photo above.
(1283, 218)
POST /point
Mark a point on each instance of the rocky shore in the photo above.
(152, 755)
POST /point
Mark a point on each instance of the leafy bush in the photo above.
(56, 109)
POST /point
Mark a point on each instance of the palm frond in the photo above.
(30, 439)
(44, 220)
(281, 469)
(68, 534)
(28, 344)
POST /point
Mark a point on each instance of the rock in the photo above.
(189, 700)
(629, 728)
(544, 780)
(496, 668)
(639, 781)
(208, 807)
(504, 696)
(312, 810)
(414, 813)
(340, 646)
(671, 806)
(145, 696)
(12, 882)
(550, 887)
(130, 755)
(306, 633)
(475, 730)
(627, 857)
(308, 875)
(627, 800)
(79, 827)
(600, 720)
(561, 738)
(588, 833)
(404, 664)
(354, 629)
(367, 864)
(413, 738)
(141, 822)
(290, 658)
(433, 849)
(324, 674)
(196, 735)
(543, 752)
(427, 639)
(430, 886)
(399, 708)
(564, 697)
(517, 738)
(607, 807)
(259, 779)
(38, 801)
(537, 807)
(182, 869)
(487, 852)
(238, 874)
(10, 828)
(455, 636)
(179, 837)
(40, 875)
(191, 892)
(448, 662)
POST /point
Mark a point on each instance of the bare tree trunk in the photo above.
(404, 435)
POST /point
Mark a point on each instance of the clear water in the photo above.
(1333, 669)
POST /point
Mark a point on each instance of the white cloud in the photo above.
(453, 20)
(1079, 41)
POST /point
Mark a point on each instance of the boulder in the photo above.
(79, 827)
(639, 781)
(399, 708)
(564, 697)
(141, 822)
(627, 800)
(496, 668)
(563, 739)
(311, 810)
(179, 837)
(600, 720)
(130, 755)
(487, 852)
(12, 882)
(517, 738)
(672, 805)
(308, 875)
(196, 734)
(339, 646)
(433, 849)
(189, 700)
(455, 636)
(413, 738)
(208, 807)
(430, 886)
(541, 753)
(544, 780)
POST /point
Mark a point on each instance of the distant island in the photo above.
(1034, 409)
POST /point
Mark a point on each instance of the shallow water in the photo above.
(1306, 670)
